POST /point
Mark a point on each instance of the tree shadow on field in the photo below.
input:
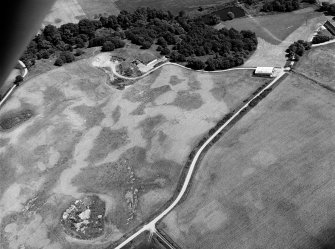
(325, 239)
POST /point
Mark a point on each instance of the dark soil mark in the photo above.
(218, 92)
(188, 101)
(116, 114)
(13, 119)
(107, 141)
(174, 80)
(93, 115)
(144, 94)
(149, 124)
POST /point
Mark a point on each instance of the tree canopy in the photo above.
(179, 37)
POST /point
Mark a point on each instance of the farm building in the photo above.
(330, 27)
(265, 71)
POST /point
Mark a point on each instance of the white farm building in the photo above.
(265, 71)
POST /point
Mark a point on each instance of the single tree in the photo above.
(59, 62)
(230, 15)
(18, 79)
(108, 46)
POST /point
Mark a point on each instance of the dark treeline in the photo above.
(180, 37)
(328, 7)
(281, 5)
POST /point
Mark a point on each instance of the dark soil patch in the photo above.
(107, 141)
(174, 80)
(93, 115)
(116, 114)
(4, 142)
(149, 124)
(218, 92)
(188, 101)
(11, 120)
(145, 95)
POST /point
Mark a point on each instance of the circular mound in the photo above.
(84, 218)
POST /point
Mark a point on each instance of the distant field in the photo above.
(319, 63)
(273, 28)
(64, 11)
(85, 137)
(269, 181)
(276, 32)
(94, 7)
(173, 5)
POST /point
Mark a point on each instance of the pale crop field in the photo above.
(74, 135)
(269, 181)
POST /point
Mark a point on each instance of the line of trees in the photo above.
(281, 5)
(328, 7)
(179, 37)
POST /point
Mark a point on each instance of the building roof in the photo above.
(330, 27)
(264, 70)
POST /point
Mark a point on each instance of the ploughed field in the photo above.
(269, 181)
(83, 163)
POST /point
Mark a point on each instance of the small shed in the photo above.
(265, 71)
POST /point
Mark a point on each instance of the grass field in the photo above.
(87, 138)
(269, 181)
(319, 63)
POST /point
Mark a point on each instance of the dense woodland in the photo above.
(281, 5)
(180, 38)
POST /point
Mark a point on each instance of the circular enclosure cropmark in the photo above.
(84, 218)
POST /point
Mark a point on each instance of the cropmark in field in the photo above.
(81, 160)
(269, 181)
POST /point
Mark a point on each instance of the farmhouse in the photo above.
(265, 71)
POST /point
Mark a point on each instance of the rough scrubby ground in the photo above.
(269, 181)
(87, 138)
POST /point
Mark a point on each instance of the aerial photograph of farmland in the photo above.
(141, 124)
